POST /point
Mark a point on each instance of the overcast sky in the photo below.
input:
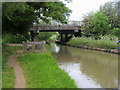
(81, 7)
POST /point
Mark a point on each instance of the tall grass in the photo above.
(83, 41)
(41, 71)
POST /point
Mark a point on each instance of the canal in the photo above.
(88, 68)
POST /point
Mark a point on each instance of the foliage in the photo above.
(17, 17)
(54, 37)
(11, 38)
(103, 22)
(45, 36)
(87, 26)
(110, 9)
(43, 71)
(116, 32)
(109, 37)
(55, 10)
(106, 44)
(18, 20)
(101, 25)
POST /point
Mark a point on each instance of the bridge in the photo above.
(63, 30)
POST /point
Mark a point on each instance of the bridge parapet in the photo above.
(55, 27)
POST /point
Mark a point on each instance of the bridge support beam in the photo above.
(61, 36)
(78, 34)
(32, 35)
(66, 37)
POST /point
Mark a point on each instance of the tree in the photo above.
(110, 9)
(87, 26)
(18, 17)
(101, 25)
(56, 10)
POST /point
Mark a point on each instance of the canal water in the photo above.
(88, 68)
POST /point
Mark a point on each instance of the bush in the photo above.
(45, 36)
(11, 38)
(116, 32)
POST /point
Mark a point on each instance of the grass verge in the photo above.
(8, 78)
(81, 42)
(41, 71)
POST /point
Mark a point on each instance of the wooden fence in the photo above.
(34, 46)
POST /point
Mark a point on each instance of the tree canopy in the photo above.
(19, 16)
(110, 9)
(100, 24)
(87, 23)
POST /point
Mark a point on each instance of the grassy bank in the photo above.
(8, 78)
(7, 72)
(82, 42)
(41, 71)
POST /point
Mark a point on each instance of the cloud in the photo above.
(81, 7)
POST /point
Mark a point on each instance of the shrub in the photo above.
(116, 32)
(11, 38)
(45, 36)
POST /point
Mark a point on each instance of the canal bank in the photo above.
(114, 51)
(89, 68)
(41, 71)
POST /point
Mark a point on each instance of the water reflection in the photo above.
(89, 69)
(55, 48)
(81, 80)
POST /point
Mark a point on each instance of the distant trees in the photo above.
(103, 22)
(110, 9)
(87, 24)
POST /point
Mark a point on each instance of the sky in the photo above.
(81, 7)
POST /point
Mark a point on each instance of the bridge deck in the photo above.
(55, 27)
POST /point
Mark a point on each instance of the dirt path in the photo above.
(19, 76)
